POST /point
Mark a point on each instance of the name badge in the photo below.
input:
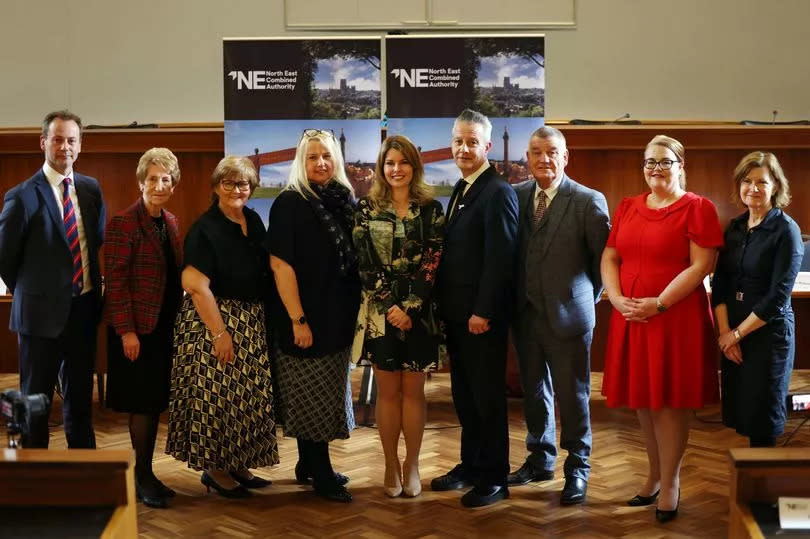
(739, 296)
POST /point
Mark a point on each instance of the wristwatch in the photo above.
(660, 306)
(301, 320)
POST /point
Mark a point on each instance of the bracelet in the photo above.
(737, 335)
(220, 334)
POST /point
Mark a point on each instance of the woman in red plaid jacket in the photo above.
(143, 256)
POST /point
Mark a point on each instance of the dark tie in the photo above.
(72, 233)
(458, 193)
(541, 209)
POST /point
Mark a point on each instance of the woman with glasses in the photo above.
(660, 357)
(398, 232)
(143, 256)
(315, 309)
(221, 417)
(751, 296)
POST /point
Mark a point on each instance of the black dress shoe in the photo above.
(149, 499)
(253, 482)
(574, 491)
(665, 515)
(455, 479)
(236, 492)
(166, 492)
(528, 474)
(639, 501)
(484, 495)
(334, 493)
(303, 477)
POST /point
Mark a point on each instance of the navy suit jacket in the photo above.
(475, 273)
(35, 260)
(558, 264)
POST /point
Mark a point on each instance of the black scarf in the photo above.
(334, 207)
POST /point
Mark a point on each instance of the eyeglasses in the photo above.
(665, 164)
(312, 133)
(228, 185)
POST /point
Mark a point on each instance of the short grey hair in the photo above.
(550, 132)
(469, 116)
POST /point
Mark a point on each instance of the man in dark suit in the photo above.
(51, 229)
(474, 297)
(563, 230)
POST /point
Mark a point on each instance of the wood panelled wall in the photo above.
(607, 158)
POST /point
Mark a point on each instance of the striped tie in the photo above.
(72, 233)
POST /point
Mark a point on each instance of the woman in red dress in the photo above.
(661, 358)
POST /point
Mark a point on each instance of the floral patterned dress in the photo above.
(398, 259)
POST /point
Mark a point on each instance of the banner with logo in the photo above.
(276, 88)
(431, 79)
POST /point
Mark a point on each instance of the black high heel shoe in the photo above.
(150, 500)
(665, 515)
(253, 482)
(639, 501)
(303, 477)
(236, 492)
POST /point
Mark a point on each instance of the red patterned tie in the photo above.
(72, 233)
(541, 208)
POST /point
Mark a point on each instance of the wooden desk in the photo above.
(761, 476)
(86, 479)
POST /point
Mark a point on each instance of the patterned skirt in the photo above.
(315, 396)
(221, 416)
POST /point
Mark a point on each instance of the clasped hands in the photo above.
(399, 318)
(730, 346)
(635, 309)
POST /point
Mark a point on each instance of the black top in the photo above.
(330, 302)
(172, 293)
(237, 265)
(757, 267)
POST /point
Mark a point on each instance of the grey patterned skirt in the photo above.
(315, 396)
(221, 416)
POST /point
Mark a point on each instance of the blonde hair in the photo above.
(675, 147)
(162, 157)
(418, 191)
(230, 166)
(768, 161)
(298, 180)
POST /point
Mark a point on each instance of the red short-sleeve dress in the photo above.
(671, 360)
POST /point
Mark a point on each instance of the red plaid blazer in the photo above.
(136, 269)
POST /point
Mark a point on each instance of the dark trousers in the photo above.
(478, 378)
(74, 353)
(553, 366)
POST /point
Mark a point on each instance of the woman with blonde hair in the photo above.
(398, 233)
(315, 268)
(751, 297)
(660, 357)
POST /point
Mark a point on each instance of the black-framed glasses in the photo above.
(313, 133)
(228, 185)
(665, 164)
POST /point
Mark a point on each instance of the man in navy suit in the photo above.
(563, 230)
(474, 297)
(51, 229)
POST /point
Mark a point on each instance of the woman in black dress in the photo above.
(313, 314)
(751, 298)
(143, 256)
(220, 416)
(398, 232)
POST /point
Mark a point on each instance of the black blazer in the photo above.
(475, 273)
(35, 260)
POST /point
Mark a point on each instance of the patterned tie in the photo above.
(72, 233)
(541, 209)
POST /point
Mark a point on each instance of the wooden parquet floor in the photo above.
(289, 510)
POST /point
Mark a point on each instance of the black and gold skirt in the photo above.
(221, 415)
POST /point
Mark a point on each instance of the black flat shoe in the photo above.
(236, 492)
(665, 515)
(574, 491)
(150, 500)
(165, 491)
(528, 474)
(336, 493)
(455, 479)
(639, 501)
(303, 477)
(253, 482)
(484, 495)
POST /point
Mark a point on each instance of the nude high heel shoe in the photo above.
(412, 486)
(392, 491)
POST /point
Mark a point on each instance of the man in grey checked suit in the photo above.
(563, 227)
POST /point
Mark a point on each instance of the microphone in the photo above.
(625, 116)
(773, 120)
